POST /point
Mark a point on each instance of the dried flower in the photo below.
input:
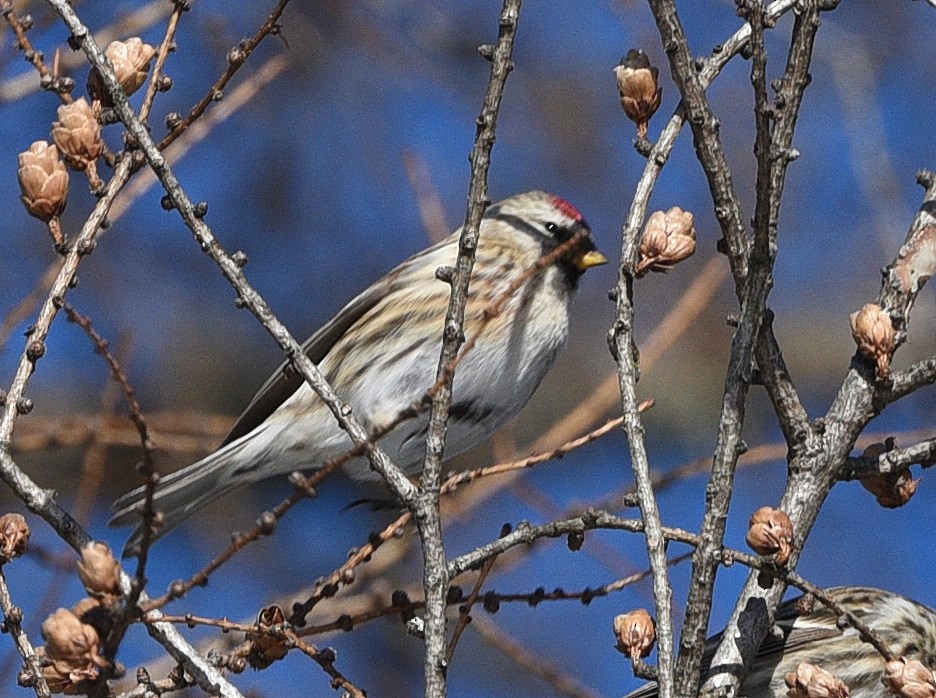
(131, 60)
(874, 333)
(810, 681)
(44, 182)
(892, 490)
(267, 647)
(668, 238)
(910, 678)
(70, 677)
(99, 570)
(640, 91)
(14, 535)
(635, 633)
(77, 134)
(771, 531)
(68, 638)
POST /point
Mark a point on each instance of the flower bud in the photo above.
(131, 60)
(909, 678)
(639, 89)
(635, 633)
(43, 180)
(874, 333)
(14, 535)
(892, 490)
(68, 638)
(99, 570)
(267, 647)
(810, 681)
(771, 531)
(77, 134)
(668, 238)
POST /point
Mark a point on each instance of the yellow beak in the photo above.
(592, 258)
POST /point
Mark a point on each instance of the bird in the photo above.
(906, 628)
(381, 351)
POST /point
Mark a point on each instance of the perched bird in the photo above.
(907, 629)
(380, 354)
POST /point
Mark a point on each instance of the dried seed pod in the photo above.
(909, 678)
(667, 239)
(640, 91)
(43, 180)
(68, 676)
(892, 490)
(77, 134)
(14, 536)
(68, 638)
(267, 647)
(99, 570)
(771, 531)
(635, 633)
(131, 61)
(875, 336)
(811, 681)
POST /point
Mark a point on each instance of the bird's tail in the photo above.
(180, 494)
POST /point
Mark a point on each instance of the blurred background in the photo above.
(347, 154)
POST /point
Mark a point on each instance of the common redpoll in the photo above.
(380, 354)
(906, 628)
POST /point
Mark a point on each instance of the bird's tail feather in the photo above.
(180, 494)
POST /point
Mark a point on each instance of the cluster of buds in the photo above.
(267, 647)
(640, 91)
(43, 181)
(77, 134)
(811, 681)
(875, 336)
(909, 678)
(131, 61)
(635, 633)
(771, 531)
(43, 177)
(667, 239)
(71, 658)
(14, 536)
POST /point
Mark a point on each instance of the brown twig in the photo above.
(161, 55)
(237, 56)
(147, 469)
(464, 611)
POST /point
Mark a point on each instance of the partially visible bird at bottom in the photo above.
(907, 629)
(380, 354)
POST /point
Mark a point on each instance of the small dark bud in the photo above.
(491, 602)
(35, 351)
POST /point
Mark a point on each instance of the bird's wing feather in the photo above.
(283, 383)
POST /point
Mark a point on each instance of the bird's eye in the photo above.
(552, 228)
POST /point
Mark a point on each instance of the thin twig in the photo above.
(464, 611)
(161, 55)
(13, 624)
(428, 515)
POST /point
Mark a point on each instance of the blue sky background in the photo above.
(309, 180)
